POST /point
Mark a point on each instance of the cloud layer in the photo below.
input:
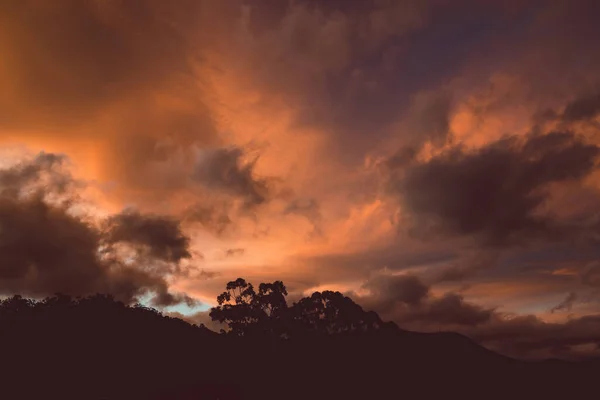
(153, 148)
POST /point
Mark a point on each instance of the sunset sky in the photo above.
(437, 160)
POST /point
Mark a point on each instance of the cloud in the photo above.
(148, 148)
(234, 252)
(357, 265)
(493, 192)
(590, 274)
(408, 301)
(309, 209)
(72, 56)
(213, 216)
(323, 59)
(46, 168)
(48, 246)
(208, 274)
(465, 267)
(456, 273)
(224, 169)
(582, 108)
(566, 304)
(121, 77)
(429, 119)
(449, 310)
(160, 236)
(529, 337)
(405, 289)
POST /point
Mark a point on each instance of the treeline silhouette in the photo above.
(324, 346)
(265, 313)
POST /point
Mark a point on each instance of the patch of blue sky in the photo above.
(181, 308)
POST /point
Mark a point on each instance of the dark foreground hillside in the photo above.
(96, 348)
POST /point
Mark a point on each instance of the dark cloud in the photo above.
(48, 247)
(450, 309)
(590, 274)
(530, 337)
(213, 216)
(234, 252)
(228, 192)
(402, 158)
(494, 191)
(582, 108)
(427, 122)
(164, 298)
(455, 273)
(331, 268)
(325, 59)
(224, 169)
(44, 248)
(405, 289)
(160, 236)
(208, 274)
(429, 118)
(45, 167)
(406, 300)
(309, 209)
(465, 267)
(566, 304)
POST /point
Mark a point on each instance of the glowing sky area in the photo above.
(436, 160)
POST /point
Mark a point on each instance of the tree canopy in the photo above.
(266, 312)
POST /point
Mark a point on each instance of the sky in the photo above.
(436, 160)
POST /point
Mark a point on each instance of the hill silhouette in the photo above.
(323, 347)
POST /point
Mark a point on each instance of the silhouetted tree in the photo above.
(332, 313)
(270, 300)
(248, 313)
(236, 307)
(16, 306)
